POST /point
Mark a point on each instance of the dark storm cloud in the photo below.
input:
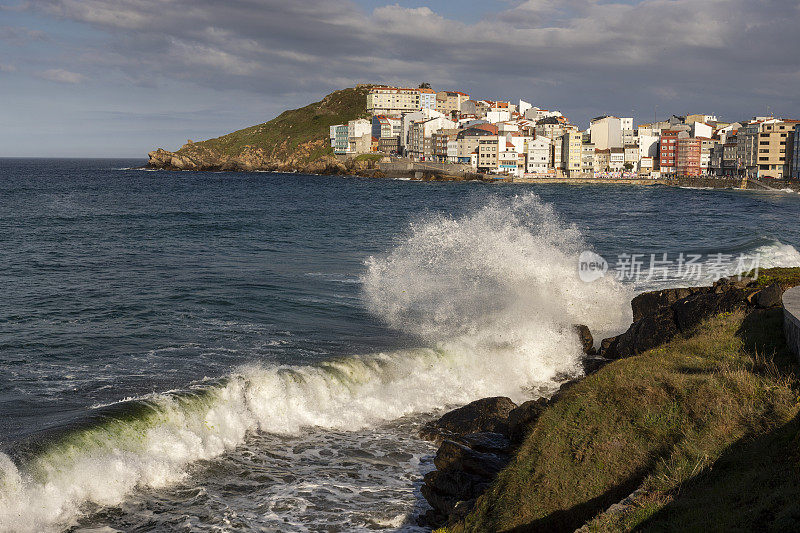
(718, 55)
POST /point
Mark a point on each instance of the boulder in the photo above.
(771, 296)
(454, 456)
(649, 303)
(484, 415)
(593, 364)
(585, 336)
(605, 345)
(487, 442)
(649, 332)
(689, 312)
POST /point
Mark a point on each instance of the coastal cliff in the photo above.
(297, 140)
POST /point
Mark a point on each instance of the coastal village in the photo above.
(523, 141)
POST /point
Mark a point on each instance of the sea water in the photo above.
(255, 351)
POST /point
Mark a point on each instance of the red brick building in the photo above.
(687, 156)
(667, 151)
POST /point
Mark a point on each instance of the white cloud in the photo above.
(61, 76)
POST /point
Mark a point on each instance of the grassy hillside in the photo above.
(704, 428)
(283, 135)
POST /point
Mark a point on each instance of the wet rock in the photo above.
(454, 456)
(487, 442)
(484, 415)
(585, 336)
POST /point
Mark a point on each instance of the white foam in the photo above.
(493, 294)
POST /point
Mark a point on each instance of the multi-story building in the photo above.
(488, 153)
(427, 98)
(606, 132)
(706, 149)
(383, 126)
(775, 144)
(507, 157)
(468, 139)
(730, 155)
(587, 155)
(795, 175)
(691, 119)
(687, 156)
(602, 160)
(631, 157)
(666, 152)
(441, 139)
(616, 159)
(340, 139)
(449, 102)
(420, 136)
(352, 138)
(389, 145)
(393, 100)
(571, 151)
(716, 158)
(537, 156)
(747, 148)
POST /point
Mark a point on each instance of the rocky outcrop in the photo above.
(485, 415)
(479, 439)
(199, 158)
(660, 315)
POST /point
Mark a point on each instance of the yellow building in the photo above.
(571, 151)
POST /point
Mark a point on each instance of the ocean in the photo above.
(257, 351)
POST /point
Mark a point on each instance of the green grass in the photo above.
(787, 277)
(713, 416)
(369, 157)
(283, 135)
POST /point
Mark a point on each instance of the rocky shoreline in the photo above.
(478, 440)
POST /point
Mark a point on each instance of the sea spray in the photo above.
(492, 295)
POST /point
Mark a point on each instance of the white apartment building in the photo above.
(607, 132)
(537, 156)
(393, 100)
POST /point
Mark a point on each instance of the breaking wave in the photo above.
(492, 296)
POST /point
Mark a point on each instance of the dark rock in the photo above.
(771, 296)
(487, 442)
(585, 336)
(649, 332)
(461, 510)
(593, 364)
(454, 456)
(742, 283)
(487, 414)
(454, 484)
(605, 346)
(690, 311)
(649, 303)
(520, 419)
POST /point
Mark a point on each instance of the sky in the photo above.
(118, 78)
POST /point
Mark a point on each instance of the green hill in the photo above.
(294, 140)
